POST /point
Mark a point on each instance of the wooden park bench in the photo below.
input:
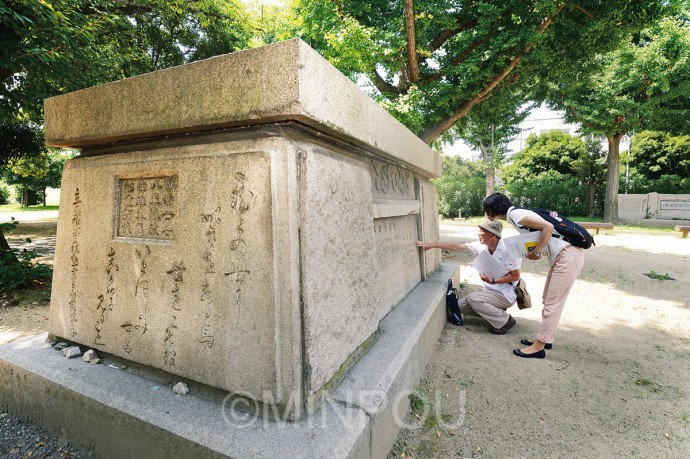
(596, 226)
(683, 229)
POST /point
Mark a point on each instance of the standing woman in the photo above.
(565, 260)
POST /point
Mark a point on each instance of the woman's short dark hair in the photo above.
(496, 204)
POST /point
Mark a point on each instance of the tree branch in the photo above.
(457, 60)
(339, 9)
(439, 128)
(447, 34)
(382, 85)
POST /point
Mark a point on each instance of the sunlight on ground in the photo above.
(660, 243)
(28, 216)
(9, 334)
(609, 294)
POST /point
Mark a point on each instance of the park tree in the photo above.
(490, 127)
(657, 162)
(557, 170)
(36, 173)
(431, 62)
(590, 169)
(642, 85)
(18, 141)
(52, 47)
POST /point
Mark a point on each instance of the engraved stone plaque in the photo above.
(675, 205)
(146, 207)
(398, 257)
(390, 181)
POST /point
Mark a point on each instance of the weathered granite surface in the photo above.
(278, 82)
(257, 259)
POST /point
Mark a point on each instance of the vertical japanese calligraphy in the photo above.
(177, 275)
(74, 261)
(241, 201)
(210, 220)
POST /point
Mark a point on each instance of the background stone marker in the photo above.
(244, 221)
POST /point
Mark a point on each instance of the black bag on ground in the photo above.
(524, 300)
(452, 306)
(569, 230)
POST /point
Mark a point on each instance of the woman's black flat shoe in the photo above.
(527, 342)
(534, 355)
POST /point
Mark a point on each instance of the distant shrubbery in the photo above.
(558, 171)
(18, 270)
(5, 193)
(553, 190)
(461, 187)
(658, 162)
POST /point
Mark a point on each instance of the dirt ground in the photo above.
(616, 383)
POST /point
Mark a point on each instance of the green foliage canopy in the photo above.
(19, 140)
(558, 171)
(59, 46)
(654, 154)
(552, 151)
(463, 49)
(642, 85)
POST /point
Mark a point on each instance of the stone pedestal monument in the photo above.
(245, 221)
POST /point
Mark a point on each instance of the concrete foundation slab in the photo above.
(117, 413)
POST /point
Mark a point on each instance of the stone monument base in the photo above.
(117, 413)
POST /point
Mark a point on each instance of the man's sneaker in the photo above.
(504, 329)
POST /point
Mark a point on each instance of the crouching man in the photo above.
(498, 294)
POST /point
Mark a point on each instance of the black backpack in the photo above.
(569, 230)
(452, 307)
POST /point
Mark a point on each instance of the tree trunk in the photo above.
(411, 41)
(5, 249)
(487, 157)
(612, 177)
(592, 194)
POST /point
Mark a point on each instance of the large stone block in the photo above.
(245, 221)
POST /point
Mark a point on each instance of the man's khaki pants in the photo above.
(487, 304)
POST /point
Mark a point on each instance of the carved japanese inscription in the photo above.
(74, 258)
(147, 207)
(241, 200)
(398, 256)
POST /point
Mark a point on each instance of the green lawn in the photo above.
(19, 208)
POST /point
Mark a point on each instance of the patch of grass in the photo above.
(654, 275)
(30, 230)
(630, 423)
(19, 208)
(646, 382)
(656, 388)
(428, 448)
(463, 288)
(419, 402)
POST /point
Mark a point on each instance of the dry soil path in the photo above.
(616, 384)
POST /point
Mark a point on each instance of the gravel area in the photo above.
(19, 439)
